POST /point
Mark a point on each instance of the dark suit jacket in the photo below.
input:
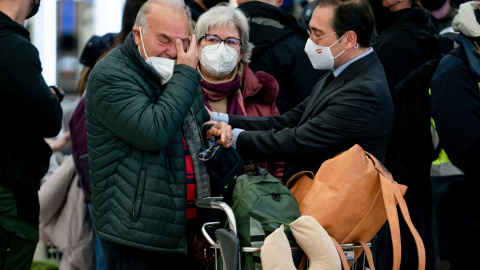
(355, 108)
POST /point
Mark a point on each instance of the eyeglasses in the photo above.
(310, 34)
(208, 153)
(211, 39)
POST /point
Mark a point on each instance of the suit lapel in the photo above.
(316, 91)
(319, 95)
(348, 74)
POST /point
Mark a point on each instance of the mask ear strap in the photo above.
(141, 38)
(337, 40)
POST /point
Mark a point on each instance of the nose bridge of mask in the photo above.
(217, 48)
(141, 38)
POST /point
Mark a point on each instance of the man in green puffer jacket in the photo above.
(144, 130)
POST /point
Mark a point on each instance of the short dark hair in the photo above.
(354, 15)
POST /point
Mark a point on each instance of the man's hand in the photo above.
(222, 130)
(189, 57)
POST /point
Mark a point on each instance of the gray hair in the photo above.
(220, 15)
(175, 5)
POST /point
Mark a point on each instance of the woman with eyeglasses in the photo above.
(228, 84)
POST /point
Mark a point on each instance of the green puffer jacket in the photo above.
(136, 152)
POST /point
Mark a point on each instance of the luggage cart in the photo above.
(228, 244)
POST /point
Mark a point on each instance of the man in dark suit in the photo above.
(353, 108)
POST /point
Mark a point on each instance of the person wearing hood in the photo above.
(455, 107)
(279, 43)
(29, 112)
(398, 49)
(228, 83)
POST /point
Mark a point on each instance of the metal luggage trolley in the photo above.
(228, 243)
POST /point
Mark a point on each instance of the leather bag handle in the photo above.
(295, 177)
(392, 195)
(369, 255)
(406, 217)
(343, 258)
(303, 262)
(392, 215)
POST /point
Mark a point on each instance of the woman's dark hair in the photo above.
(128, 20)
(351, 15)
(129, 14)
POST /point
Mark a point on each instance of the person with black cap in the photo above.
(29, 112)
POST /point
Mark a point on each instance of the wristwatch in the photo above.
(58, 91)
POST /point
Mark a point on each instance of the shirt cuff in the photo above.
(220, 117)
(236, 132)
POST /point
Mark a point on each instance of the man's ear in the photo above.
(280, 2)
(136, 35)
(351, 38)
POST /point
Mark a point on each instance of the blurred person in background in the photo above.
(29, 112)
(408, 40)
(455, 107)
(443, 12)
(278, 50)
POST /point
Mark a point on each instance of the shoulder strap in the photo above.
(460, 53)
(291, 181)
(343, 258)
(391, 196)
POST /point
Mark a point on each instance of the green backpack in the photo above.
(261, 203)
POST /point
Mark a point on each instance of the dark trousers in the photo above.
(459, 226)
(119, 257)
(15, 252)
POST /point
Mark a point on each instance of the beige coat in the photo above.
(64, 218)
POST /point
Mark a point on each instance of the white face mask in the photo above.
(163, 66)
(321, 57)
(218, 59)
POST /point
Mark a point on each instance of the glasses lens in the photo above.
(311, 35)
(212, 39)
(233, 42)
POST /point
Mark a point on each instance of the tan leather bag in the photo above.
(352, 196)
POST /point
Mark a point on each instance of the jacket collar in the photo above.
(415, 17)
(259, 84)
(130, 49)
(260, 9)
(271, 25)
(6, 23)
(472, 59)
